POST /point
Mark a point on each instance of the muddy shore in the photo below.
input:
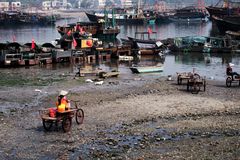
(133, 118)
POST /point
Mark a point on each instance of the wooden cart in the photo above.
(183, 76)
(195, 83)
(62, 117)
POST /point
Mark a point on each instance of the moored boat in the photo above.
(123, 16)
(146, 45)
(231, 23)
(147, 69)
(189, 14)
(96, 29)
(224, 8)
(233, 35)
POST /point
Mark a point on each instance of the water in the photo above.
(173, 63)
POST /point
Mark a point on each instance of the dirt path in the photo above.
(127, 119)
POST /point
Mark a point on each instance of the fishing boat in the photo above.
(228, 23)
(29, 55)
(10, 54)
(102, 29)
(146, 69)
(189, 14)
(187, 44)
(222, 8)
(220, 45)
(23, 18)
(122, 18)
(128, 15)
(145, 44)
(45, 55)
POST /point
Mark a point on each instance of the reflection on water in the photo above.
(211, 67)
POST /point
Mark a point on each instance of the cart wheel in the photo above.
(47, 124)
(79, 116)
(188, 86)
(67, 124)
(228, 81)
(204, 85)
(179, 80)
(195, 89)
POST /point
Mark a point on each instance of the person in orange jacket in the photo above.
(63, 103)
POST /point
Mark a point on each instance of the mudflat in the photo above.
(133, 118)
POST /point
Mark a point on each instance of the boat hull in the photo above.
(230, 23)
(220, 11)
(120, 21)
(148, 69)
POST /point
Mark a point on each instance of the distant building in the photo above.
(126, 3)
(46, 5)
(55, 4)
(101, 3)
(4, 6)
(160, 6)
(16, 5)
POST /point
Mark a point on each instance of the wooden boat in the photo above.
(189, 14)
(146, 45)
(122, 16)
(23, 18)
(220, 11)
(46, 53)
(97, 29)
(229, 23)
(109, 74)
(224, 8)
(187, 44)
(11, 55)
(233, 35)
(146, 69)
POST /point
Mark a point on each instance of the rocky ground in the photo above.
(133, 118)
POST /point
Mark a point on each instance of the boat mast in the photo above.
(138, 9)
(113, 18)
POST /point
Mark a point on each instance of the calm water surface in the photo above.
(172, 64)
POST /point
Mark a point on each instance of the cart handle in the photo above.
(75, 103)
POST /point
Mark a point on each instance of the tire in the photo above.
(179, 81)
(228, 81)
(195, 89)
(79, 116)
(47, 124)
(67, 124)
(204, 85)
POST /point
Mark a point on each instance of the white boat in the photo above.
(146, 69)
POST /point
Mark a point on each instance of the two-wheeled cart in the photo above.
(64, 117)
(195, 83)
